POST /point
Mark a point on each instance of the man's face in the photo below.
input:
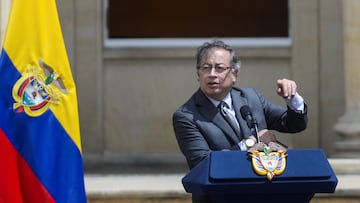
(216, 76)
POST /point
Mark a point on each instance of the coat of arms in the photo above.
(33, 93)
(269, 160)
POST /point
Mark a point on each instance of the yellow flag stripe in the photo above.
(39, 36)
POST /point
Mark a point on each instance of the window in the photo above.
(189, 19)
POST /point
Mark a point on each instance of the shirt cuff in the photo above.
(242, 146)
(295, 103)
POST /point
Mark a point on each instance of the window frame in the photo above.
(251, 42)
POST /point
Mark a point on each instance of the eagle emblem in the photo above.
(33, 93)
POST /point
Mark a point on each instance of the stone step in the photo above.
(167, 188)
(135, 188)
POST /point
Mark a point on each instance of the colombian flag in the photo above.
(40, 146)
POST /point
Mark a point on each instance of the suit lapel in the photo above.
(211, 113)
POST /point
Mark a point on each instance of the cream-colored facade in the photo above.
(127, 95)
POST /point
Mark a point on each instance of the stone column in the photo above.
(348, 126)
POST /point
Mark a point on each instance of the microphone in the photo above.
(247, 116)
(251, 122)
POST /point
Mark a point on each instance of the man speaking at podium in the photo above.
(217, 115)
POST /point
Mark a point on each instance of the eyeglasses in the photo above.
(218, 68)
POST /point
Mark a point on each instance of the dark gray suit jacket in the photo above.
(200, 128)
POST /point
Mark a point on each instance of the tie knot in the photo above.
(223, 104)
(220, 105)
(223, 108)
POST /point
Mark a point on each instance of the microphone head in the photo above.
(245, 111)
(246, 115)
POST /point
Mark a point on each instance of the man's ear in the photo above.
(235, 72)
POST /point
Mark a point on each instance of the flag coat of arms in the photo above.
(40, 146)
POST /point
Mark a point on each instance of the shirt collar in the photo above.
(227, 99)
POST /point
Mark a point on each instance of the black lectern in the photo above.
(228, 176)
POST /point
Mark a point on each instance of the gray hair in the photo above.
(204, 49)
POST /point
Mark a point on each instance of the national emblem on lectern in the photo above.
(269, 160)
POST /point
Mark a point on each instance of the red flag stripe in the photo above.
(12, 168)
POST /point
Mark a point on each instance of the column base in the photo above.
(349, 148)
(348, 128)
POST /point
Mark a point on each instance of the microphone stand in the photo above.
(256, 130)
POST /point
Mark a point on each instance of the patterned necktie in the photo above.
(229, 117)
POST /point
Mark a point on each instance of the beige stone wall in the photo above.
(4, 13)
(141, 93)
(127, 96)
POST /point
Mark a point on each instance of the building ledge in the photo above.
(169, 185)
